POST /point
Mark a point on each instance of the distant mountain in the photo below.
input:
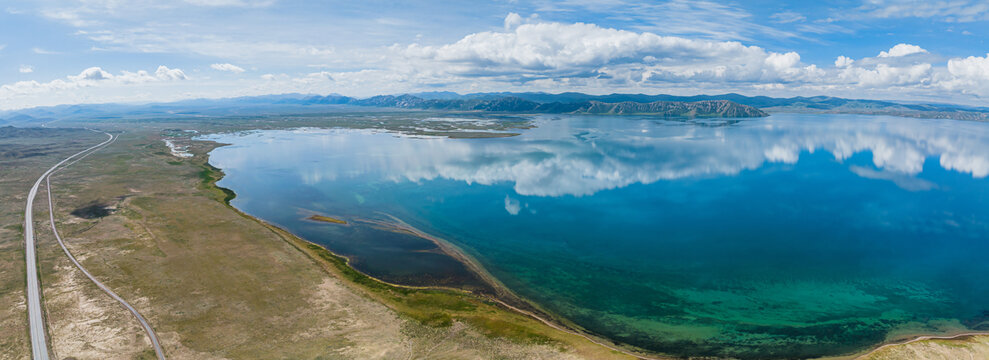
(724, 105)
(513, 104)
(19, 119)
(815, 104)
(439, 95)
(705, 108)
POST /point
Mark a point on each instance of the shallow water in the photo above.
(789, 236)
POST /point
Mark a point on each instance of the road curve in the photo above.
(36, 321)
(144, 323)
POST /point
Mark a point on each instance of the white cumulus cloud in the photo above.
(843, 62)
(902, 50)
(93, 73)
(25, 69)
(90, 77)
(971, 67)
(539, 50)
(227, 67)
(512, 21)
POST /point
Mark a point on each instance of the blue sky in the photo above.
(91, 51)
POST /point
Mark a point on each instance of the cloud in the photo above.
(74, 17)
(972, 67)
(787, 17)
(547, 49)
(843, 62)
(231, 3)
(512, 21)
(783, 61)
(547, 56)
(530, 54)
(25, 69)
(164, 73)
(512, 206)
(902, 50)
(93, 73)
(944, 10)
(227, 67)
(41, 51)
(968, 75)
(905, 182)
(883, 75)
(705, 19)
(543, 163)
(90, 77)
(156, 39)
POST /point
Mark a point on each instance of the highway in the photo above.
(39, 346)
(36, 321)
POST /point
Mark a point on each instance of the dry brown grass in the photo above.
(963, 348)
(24, 155)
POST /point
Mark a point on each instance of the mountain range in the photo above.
(725, 105)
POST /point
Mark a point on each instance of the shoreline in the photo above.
(449, 249)
(542, 316)
(301, 243)
(536, 312)
(507, 306)
(917, 338)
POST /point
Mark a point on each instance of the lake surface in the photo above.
(788, 236)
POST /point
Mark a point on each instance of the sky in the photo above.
(96, 51)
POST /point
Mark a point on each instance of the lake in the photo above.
(787, 236)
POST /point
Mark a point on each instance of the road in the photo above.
(144, 323)
(36, 321)
(39, 346)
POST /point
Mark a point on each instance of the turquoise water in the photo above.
(789, 236)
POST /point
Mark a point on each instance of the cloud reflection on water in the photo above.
(589, 154)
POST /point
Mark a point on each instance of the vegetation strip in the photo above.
(51, 213)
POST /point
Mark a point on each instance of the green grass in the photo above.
(438, 307)
(209, 175)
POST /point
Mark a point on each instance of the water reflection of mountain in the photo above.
(585, 155)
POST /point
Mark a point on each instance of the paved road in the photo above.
(39, 348)
(36, 321)
(144, 323)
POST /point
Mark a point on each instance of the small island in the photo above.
(328, 219)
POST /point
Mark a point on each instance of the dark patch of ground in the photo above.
(93, 211)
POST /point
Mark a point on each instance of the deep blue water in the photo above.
(789, 236)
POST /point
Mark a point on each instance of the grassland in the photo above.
(24, 155)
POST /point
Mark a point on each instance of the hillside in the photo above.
(725, 105)
(706, 108)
